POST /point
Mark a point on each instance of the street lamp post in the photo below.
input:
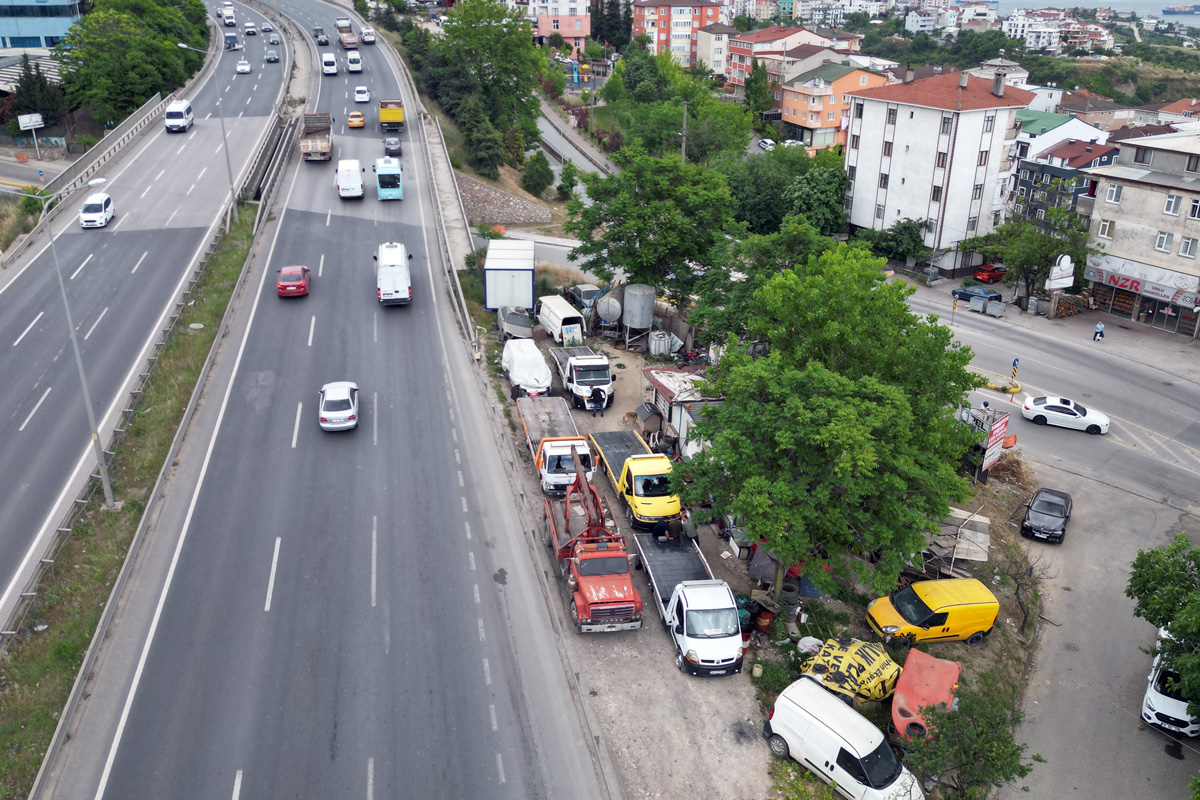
(62, 287)
(224, 139)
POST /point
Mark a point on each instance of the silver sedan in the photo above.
(338, 408)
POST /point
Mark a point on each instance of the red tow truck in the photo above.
(592, 559)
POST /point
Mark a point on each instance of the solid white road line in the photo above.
(271, 580)
(218, 150)
(492, 714)
(471, 560)
(500, 767)
(487, 676)
(159, 175)
(312, 326)
(139, 263)
(173, 213)
(189, 191)
(35, 408)
(296, 430)
(28, 329)
(467, 525)
(143, 194)
(329, 214)
(81, 266)
(374, 554)
(181, 148)
(237, 784)
(475, 589)
(94, 324)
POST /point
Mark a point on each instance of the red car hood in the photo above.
(608, 589)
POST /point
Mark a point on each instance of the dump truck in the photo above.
(316, 137)
(698, 611)
(349, 41)
(551, 435)
(582, 370)
(591, 557)
(391, 115)
(639, 476)
(342, 25)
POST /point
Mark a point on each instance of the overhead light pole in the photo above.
(62, 287)
(224, 138)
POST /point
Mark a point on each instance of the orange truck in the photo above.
(550, 433)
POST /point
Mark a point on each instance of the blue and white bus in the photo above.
(389, 179)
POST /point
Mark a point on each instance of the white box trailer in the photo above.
(508, 274)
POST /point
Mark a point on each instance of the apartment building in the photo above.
(1095, 110)
(1041, 130)
(712, 46)
(1040, 29)
(921, 20)
(572, 19)
(36, 23)
(1145, 210)
(674, 25)
(935, 149)
(816, 105)
(1088, 37)
(1051, 178)
(745, 48)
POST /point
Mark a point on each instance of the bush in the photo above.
(615, 141)
(455, 161)
(970, 282)
(31, 206)
(87, 141)
(538, 175)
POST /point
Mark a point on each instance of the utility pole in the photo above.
(683, 142)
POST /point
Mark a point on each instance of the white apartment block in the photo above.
(937, 149)
(712, 46)
(1039, 31)
(921, 20)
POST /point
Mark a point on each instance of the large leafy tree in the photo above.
(35, 94)
(819, 195)
(759, 184)
(841, 441)
(1028, 251)
(658, 126)
(758, 89)
(715, 127)
(904, 239)
(657, 220)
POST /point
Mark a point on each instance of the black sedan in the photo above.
(967, 292)
(1047, 515)
(322, 39)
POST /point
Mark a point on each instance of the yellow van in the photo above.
(936, 611)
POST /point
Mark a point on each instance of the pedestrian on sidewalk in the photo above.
(1099, 334)
(599, 399)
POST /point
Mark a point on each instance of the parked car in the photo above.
(583, 295)
(1064, 413)
(272, 57)
(293, 282)
(990, 273)
(97, 211)
(1163, 705)
(243, 67)
(792, 143)
(967, 292)
(355, 120)
(1047, 515)
(766, 144)
(955, 609)
(338, 406)
(514, 323)
(391, 147)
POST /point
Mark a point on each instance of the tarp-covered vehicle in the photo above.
(927, 681)
(526, 368)
(854, 670)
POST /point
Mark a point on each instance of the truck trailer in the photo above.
(316, 137)
(639, 476)
(551, 434)
(391, 115)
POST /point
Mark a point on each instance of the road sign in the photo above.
(30, 121)
(995, 442)
(41, 176)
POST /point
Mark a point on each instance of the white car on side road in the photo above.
(1064, 413)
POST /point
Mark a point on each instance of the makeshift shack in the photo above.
(508, 274)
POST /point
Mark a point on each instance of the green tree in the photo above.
(758, 90)
(538, 175)
(35, 94)
(904, 239)
(971, 748)
(657, 219)
(557, 41)
(658, 126)
(715, 128)
(484, 141)
(819, 195)
(841, 440)
(568, 179)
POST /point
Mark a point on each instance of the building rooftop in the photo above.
(673, 3)
(1187, 104)
(769, 34)
(677, 385)
(802, 51)
(832, 33)
(719, 28)
(1190, 183)
(1126, 132)
(1088, 105)
(828, 72)
(1076, 153)
(944, 91)
(1035, 123)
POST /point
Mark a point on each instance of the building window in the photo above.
(891, 116)
(883, 180)
(858, 110)
(1024, 174)
(1041, 196)
(831, 113)
(887, 148)
(941, 161)
(1194, 211)
(853, 142)
(1045, 177)
(1020, 191)
(983, 157)
(1020, 208)
(972, 224)
(1172, 205)
(946, 123)
(1187, 247)
(878, 212)
(1163, 242)
(1142, 155)
(977, 192)
(851, 172)
(1193, 164)
(937, 194)
(1114, 193)
(1107, 226)
(988, 122)
(1041, 213)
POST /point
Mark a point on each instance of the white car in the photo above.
(251, 30)
(243, 67)
(1064, 413)
(766, 144)
(362, 94)
(97, 211)
(791, 142)
(338, 408)
(1163, 706)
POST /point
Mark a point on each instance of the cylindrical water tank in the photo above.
(609, 309)
(639, 306)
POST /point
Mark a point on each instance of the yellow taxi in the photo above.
(355, 120)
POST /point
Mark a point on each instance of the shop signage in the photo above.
(1180, 297)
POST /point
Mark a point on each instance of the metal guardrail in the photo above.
(555, 123)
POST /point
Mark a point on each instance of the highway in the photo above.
(121, 281)
(352, 613)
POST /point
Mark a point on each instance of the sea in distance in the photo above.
(1143, 8)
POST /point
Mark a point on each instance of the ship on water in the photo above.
(1176, 10)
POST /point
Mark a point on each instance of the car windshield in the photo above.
(591, 376)
(911, 607)
(93, 208)
(652, 486)
(1080, 410)
(1166, 683)
(337, 404)
(389, 181)
(1050, 506)
(563, 465)
(715, 623)
(881, 766)
(586, 295)
(519, 321)
(391, 143)
(607, 565)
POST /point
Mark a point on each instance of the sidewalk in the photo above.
(577, 139)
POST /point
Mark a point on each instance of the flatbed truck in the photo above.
(550, 433)
(640, 477)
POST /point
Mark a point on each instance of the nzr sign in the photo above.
(1123, 282)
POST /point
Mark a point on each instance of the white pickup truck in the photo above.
(582, 370)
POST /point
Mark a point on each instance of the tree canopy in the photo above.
(1028, 252)
(819, 195)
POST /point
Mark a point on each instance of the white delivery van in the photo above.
(228, 18)
(393, 280)
(837, 744)
(349, 179)
(353, 61)
(328, 64)
(560, 319)
(178, 116)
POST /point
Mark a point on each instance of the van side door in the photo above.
(849, 776)
(938, 626)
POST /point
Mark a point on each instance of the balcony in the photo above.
(1084, 204)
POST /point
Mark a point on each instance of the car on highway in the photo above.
(1163, 704)
(266, 27)
(514, 323)
(392, 147)
(990, 273)
(338, 407)
(251, 29)
(1047, 515)
(322, 39)
(272, 57)
(355, 120)
(293, 282)
(766, 144)
(243, 67)
(273, 38)
(362, 94)
(967, 292)
(97, 211)
(1065, 414)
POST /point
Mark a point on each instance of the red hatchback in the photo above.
(989, 273)
(293, 281)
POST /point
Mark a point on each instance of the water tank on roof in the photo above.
(639, 306)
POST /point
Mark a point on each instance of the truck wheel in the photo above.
(575, 618)
(778, 745)
(680, 663)
(975, 638)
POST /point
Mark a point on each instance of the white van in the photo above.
(178, 116)
(353, 61)
(393, 281)
(328, 64)
(560, 319)
(837, 744)
(349, 179)
(228, 18)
